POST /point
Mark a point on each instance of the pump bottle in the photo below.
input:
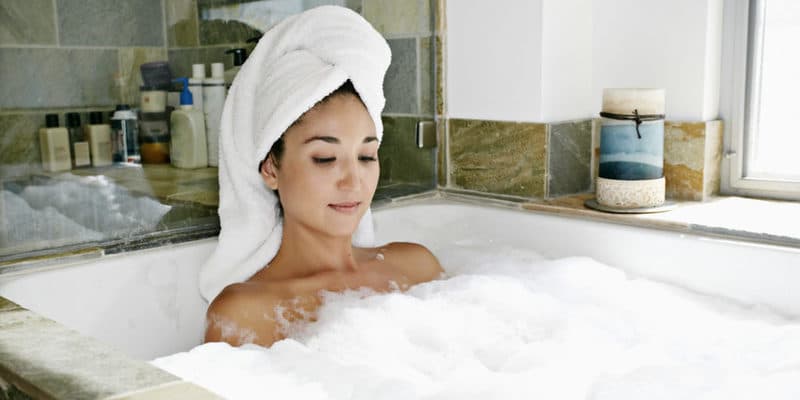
(188, 130)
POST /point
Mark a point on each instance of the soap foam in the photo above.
(74, 209)
(505, 323)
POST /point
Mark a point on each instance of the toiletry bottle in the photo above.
(99, 136)
(154, 138)
(79, 145)
(187, 131)
(125, 135)
(196, 85)
(54, 143)
(214, 99)
(239, 57)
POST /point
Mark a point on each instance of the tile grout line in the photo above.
(55, 22)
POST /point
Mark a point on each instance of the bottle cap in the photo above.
(218, 70)
(95, 117)
(198, 71)
(73, 120)
(186, 95)
(51, 120)
(239, 56)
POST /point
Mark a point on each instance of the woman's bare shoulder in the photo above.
(418, 262)
(241, 314)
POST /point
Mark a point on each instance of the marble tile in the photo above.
(498, 157)
(27, 22)
(441, 151)
(126, 87)
(569, 160)
(426, 77)
(61, 363)
(401, 160)
(110, 23)
(218, 31)
(181, 60)
(400, 85)
(392, 17)
(712, 169)
(78, 78)
(440, 22)
(182, 25)
(19, 144)
(439, 75)
(684, 151)
(595, 151)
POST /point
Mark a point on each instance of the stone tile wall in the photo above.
(84, 55)
(549, 160)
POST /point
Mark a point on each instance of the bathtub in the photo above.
(147, 305)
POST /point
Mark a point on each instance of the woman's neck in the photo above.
(304, 253)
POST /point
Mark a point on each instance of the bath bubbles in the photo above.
(506, 323)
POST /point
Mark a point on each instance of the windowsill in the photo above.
(752, 220)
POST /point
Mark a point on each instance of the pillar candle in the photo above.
(632, 134)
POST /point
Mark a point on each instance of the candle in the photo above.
(631, 175)
(632, 134)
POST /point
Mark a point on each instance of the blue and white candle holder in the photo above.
(631, 170)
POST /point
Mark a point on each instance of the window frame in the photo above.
(741, 33)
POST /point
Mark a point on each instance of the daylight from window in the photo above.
(774, 135)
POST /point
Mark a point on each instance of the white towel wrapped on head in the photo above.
(295, 65)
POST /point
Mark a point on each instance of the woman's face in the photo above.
(329, 169)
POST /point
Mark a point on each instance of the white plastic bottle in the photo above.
(196, 85)
(99, 135)
(188, 142)
(214, 100)
(54, 143)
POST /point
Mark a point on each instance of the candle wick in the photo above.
(638, 122)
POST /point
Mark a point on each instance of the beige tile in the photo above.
(182, 25)
(684, 152)
(393, 18)
(129, 77)
(441, 153)
(498, 157)
(713, 158)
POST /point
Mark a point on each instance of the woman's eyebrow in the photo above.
(326, 139)
(335, 140)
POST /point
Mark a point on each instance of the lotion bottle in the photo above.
(99, 136)
(188, 131)
(54, 143)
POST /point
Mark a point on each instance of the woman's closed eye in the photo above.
(326, 160)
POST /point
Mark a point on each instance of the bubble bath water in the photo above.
(507, 323)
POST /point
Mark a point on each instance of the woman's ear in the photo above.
(269, 172)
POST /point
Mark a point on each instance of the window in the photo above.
(760, 83)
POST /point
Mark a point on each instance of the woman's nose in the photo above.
(350, 178)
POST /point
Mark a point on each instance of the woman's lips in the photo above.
(346, 208)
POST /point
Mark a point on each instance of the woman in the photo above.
(323, 169)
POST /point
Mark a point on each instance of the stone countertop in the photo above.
(43, 359)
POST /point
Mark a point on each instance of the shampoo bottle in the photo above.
(99, 136)
(196, 85)
(79, 146)
(54, 143)
(188, 131)
(214, 100)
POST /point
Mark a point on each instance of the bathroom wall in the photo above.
(534, 81)
(59, 56)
